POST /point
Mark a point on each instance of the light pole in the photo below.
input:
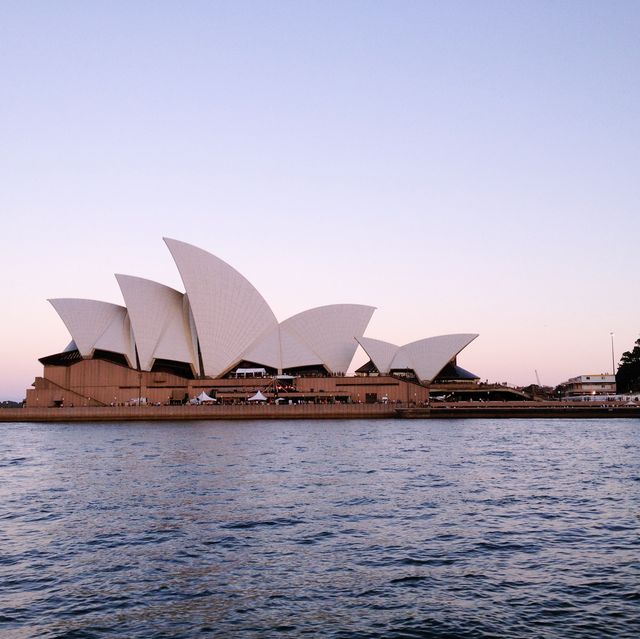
(613, 359)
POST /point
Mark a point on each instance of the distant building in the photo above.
(598, 385)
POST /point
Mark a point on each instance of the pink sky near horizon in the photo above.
(463, 167)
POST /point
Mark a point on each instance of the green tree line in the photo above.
(628, 375)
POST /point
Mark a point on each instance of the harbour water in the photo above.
(339, 529)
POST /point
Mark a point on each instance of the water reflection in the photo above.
(339, 529)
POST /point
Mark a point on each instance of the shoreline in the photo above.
(458, 410)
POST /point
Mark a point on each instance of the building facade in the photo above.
(594, 385)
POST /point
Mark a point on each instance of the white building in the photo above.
(595, 385)
(222, 324)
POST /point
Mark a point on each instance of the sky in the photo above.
(461, 166)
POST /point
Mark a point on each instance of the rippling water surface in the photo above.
(470, 528)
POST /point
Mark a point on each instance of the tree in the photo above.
(628, 375)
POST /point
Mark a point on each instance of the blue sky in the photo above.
(462, 166)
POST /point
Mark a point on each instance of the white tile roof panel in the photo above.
(427, 357)
(380, 353)
(159, 324)
(266, 350)
(228, 311)
(331, 332)
(95, 324)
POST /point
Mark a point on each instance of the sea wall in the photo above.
(459, 410)
(187, 412)
(504, 410)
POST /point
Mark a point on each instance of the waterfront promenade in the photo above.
(457, 410)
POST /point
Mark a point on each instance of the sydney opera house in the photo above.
(221, 337)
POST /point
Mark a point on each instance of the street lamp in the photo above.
(613, 359)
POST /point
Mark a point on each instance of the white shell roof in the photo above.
(228, 312)
(281, 349)
(295, 352)
(379, 352)
(319, 336)
(331, 332)
(94, 324)
(429, 356)
(230, 321)
(266, 350)
(159, 321)
(193, 333)
(426, 357)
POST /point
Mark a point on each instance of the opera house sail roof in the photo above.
(222, 322)
(426, 357)
(228, 312)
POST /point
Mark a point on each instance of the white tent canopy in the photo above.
(203, 397)
(258, 397)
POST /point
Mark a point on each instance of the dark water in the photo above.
(326, 529)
